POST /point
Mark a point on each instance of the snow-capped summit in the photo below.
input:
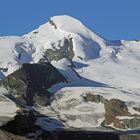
(85, 43)
(61, 37)
(66, 24)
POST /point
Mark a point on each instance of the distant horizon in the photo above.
(113, 20)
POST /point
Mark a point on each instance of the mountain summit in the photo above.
(61, 29)
(62, 36)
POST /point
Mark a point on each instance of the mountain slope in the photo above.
(54, 40)
(107, 71)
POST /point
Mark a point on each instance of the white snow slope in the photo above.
(8, 108)
(109, 68)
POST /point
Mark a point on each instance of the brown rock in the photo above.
(94, 98)
(114, 108)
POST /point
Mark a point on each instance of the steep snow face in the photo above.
(85, 43)
(14, 51)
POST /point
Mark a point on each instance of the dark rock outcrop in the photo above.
(30, 83)
(24, 124)
(94, 135)
(130, 137)
(84, 135)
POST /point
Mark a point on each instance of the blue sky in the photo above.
(112, 19)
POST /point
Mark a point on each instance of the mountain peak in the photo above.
(61, 37)
(66, 22)
(67, 25)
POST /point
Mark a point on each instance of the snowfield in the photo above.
(8, 108)
(102, 67)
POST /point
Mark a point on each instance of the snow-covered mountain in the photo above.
(99, 73)
(61, 37)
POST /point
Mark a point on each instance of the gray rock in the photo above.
(30, 83)
(24, 124)
(132, 123)
(64, 51)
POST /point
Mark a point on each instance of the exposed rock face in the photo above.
(30, 83)
(93, 135)
(60, 51)
(52, 23)
(113, 109)
(132, 123)
(94, 98)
